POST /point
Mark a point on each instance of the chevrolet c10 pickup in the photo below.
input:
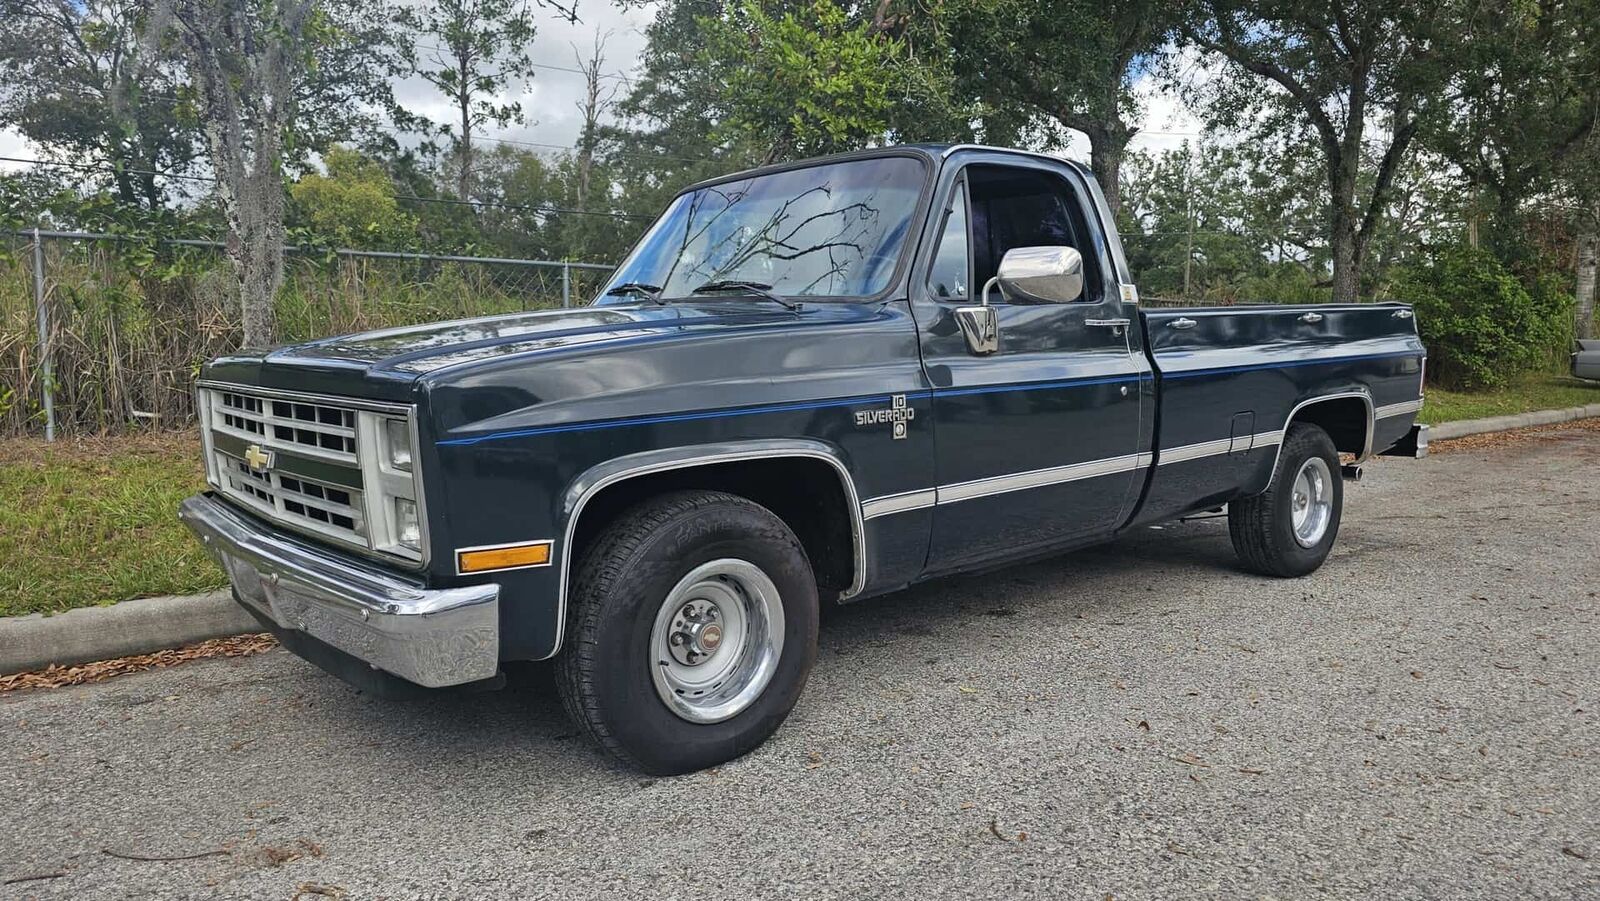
(807, 384)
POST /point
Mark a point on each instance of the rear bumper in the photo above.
(1414, 444)
(434, 638)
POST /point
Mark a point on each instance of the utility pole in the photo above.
(1188, 204)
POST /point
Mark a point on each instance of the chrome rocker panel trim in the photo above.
(434, 638)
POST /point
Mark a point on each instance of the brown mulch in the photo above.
(61, 676)
(1515, 436)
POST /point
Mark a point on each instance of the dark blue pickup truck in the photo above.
(808, 384)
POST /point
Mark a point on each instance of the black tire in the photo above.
(604, 675)
(1262, 527)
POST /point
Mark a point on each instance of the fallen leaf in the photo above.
(1574, 852)
(1190, 759)
(62, 676)
(1145, 725)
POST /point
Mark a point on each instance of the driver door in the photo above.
(1037, 443)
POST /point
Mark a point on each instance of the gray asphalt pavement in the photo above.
(1416, 720)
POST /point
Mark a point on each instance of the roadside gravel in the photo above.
(1416, 720)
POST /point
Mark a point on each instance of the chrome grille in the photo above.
(322, 429)
(331, 510)
(319, 465)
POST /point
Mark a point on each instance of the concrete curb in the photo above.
(1444, 431)
(153, 624)
(88, 634)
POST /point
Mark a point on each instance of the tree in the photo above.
(270, 80)
(1073, 62)
(354, 203)
(800, 83)
(1360, 74)
(75, 81)
(1523, 102)
(244, 61)
(485, 48)
(600, 92)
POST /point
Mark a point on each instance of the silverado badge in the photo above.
(259, 460)
(898, 413)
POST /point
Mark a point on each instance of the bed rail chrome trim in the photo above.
(1388, 410)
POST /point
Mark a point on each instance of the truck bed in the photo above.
(1228, 380)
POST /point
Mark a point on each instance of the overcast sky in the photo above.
(549, 99)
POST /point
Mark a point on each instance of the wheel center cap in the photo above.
(710, 637)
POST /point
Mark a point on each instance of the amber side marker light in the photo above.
(509, 556)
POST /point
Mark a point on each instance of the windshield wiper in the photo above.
(759, 289)
(651, 291)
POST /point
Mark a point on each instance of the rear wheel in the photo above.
(1289, 529)
(692, 629)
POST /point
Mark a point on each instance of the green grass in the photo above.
(1536, 391)
(95, 521)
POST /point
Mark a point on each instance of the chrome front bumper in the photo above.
(433, 638)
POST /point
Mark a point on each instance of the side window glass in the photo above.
(948, 278)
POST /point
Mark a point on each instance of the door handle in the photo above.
(1311, 317)
(1181, 322)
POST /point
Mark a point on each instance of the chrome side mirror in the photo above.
(1041, 274)
(1038, 274)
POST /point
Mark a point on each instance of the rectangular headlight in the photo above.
(407, 528)
(397, 444)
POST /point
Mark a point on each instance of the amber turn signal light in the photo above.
(511, 556)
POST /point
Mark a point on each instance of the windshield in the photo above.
(823, 231)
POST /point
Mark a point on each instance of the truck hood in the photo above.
(386, 364)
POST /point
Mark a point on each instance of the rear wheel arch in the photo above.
(1347, 417)
(805, 483)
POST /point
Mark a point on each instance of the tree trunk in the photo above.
(464, 184)
(255, 248)
(1588, 263)
(1346, 260)
(1106, 149)
(1345, 241)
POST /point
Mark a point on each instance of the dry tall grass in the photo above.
(130, 330)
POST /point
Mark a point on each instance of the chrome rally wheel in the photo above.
(717, 640)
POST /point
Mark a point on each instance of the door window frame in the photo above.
(1098, 254)
(958, 187)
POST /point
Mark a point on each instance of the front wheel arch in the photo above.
(806, 483)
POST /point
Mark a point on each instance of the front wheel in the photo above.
(692, 630)
(1289, 529)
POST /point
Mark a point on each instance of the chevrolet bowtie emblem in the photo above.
(259, 460)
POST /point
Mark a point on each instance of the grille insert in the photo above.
(326, 430)
(331, 510)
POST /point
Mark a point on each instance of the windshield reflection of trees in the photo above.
(846, 232)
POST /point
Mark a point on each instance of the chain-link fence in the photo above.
(99, 333)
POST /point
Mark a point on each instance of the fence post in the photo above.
(46, 370)
(566, 284)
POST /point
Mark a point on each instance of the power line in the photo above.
(619, 76)
(537, 208)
